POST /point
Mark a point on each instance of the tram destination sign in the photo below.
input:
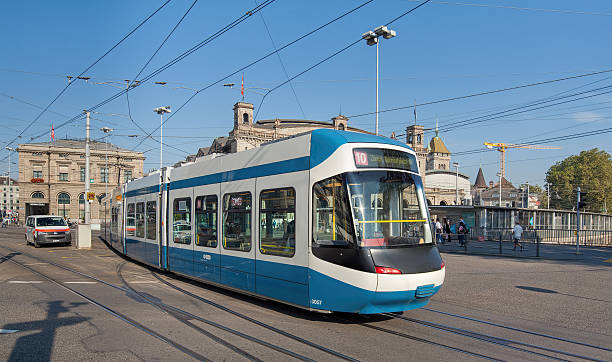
(384, 158)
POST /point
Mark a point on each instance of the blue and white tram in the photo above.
(328, 221)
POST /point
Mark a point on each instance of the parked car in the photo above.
(47, 229)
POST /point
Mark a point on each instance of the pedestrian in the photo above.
(447, 230)
(439, 231)
(461, 231)
(517, 232)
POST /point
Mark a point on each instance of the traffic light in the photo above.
(582, 203)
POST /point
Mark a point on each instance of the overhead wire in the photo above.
(280, 60)
(85, 70)
(260, 60)
(135, 78)
(350, 45)
(180, 57)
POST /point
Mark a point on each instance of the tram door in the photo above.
(238, 230)
(180, 245)
(206, 255)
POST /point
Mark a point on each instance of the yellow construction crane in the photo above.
(501, 147)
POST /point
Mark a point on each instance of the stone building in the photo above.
(247, 134)
(9, 198)
(52, 176)
(441, 183)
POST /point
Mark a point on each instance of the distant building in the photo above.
(248, 134)
(441, 183)
(488, 195)
(52, 176)
(9, 198)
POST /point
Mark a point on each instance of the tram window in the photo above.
(181, 222)
(206, 221)
(237, 221)
(151, 220)
(130, 225)
(140, 222)
(277, 222)
(332, 220)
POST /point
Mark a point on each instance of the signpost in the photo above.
(91, 196)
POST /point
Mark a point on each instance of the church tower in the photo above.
(438, 157)
(243, 115)
(415, 138)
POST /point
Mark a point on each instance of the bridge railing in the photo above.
(548, 236)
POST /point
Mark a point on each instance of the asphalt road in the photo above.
(132, 312)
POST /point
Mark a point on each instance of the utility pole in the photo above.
(10, 149)
(87, 155)
(527, 194)
(578, 220)
(548, 196)
(456, 164)
(500, 188)
(161, 111)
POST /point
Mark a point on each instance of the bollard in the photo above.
(537, 246)
(500, 243)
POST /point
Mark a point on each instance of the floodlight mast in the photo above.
(371, 38)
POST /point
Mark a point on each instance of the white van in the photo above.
(47, 229)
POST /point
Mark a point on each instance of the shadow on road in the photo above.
(39, 346)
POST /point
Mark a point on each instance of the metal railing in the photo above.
(551, 236)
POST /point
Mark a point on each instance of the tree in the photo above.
(591, 170)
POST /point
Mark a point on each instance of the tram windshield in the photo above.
(386, 210)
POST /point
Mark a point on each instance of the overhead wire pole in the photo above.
(87, 156)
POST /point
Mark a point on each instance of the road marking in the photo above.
(8, 331)
(25, 281)
(608, 261)
(68, 256)
(36, 264)
(144, 282)
(80, 282)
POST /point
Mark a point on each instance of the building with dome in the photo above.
(443, 186)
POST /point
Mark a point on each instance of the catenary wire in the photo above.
(85, 70)
(259, 60)
(210, 38)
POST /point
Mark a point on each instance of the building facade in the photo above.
(52, 176)
(9, 198)
(489, 195)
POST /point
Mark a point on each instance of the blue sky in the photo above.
(444, 49)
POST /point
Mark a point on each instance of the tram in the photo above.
(327, 220)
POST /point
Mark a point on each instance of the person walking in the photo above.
(461, 231)
(439, 231)
(517, 232)
(447, 230)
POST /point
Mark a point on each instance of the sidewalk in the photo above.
(547, 251)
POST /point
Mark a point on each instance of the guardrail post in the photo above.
(537, 246)
(500, 243)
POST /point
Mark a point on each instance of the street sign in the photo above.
(91, 196)
(91, 180)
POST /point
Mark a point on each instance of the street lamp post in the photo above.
(107, 131)
(371, 37)
(87, 157)
(456, 164)
(161, 111)
(10, 149)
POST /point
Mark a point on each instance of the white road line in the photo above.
(24, 281)
(80, 282)
(8, 331)
(37, 264)
(144, 282)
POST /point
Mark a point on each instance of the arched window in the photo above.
(341, 127)
(442, 203)
(82, 206)
(63, 198)
(245, 118)
(63, 202)
(38, 195)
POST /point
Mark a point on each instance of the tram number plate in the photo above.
(361, 158)
(316, 301)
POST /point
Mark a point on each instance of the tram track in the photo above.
(504, 342)
(173, 311)
(548, 336)
(114, 313)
